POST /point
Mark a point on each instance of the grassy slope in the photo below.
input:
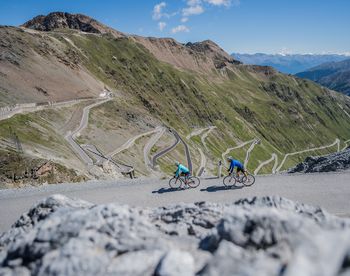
(288, 114)
(39, 133)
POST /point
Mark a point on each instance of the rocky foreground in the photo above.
(259, 236)
(328, 163)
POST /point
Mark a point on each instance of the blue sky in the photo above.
(245, 26)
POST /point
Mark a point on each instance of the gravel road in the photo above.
(329, 190)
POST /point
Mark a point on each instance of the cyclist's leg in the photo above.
(238, 170)
(187, 176)
(243, 170)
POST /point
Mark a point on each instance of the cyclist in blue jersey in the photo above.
(235, 163)
(182, 170)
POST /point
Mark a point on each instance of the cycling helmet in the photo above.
(177, 163)
(230, 158)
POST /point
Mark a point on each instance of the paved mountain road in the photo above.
(187, 152)
(129, 143)
(264, 163)
(233, 148)
(149, 145)
(71, 135)
(336, 142)
(331, 191)
(166, 150)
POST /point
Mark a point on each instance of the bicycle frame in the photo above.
(237, 176)
(183, 178)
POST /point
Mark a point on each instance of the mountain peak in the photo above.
(64, 20)
(211, 49)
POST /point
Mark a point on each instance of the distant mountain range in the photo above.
(290, 64)
(334, 75)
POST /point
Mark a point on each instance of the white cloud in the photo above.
(161, 26)
(184, 19)
(192, 10)
(193, 2)
(225, 3)
(180, 28)
(158, 11)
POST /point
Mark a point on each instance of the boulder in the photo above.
(328, 163)
(268, 236)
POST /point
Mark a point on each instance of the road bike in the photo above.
(177, 182)
(231, 179)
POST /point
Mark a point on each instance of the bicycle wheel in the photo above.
(193, 182)
(229, 181)
(248, 180)
(175, 183)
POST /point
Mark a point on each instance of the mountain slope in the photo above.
(162, 82)
(290, 63)
(334, 75)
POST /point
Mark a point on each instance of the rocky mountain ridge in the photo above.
(328, 163)
(194, 56)
(64, 20)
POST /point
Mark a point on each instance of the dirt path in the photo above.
(336, 142)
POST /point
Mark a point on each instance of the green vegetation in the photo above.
(286, 113)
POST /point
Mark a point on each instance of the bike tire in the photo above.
(175, 183)
(193, 182)
(248, 181)
(229, 181)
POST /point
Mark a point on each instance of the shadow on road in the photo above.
(211, 178)
(212, 189)
(166, 190)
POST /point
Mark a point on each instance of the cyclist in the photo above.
(182, 170)
(235, 163)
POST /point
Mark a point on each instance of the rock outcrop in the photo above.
(214, 52)
(64, 20)
(328, 163)
(203, 57)
(265, 236)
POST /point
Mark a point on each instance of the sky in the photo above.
(240, 26)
